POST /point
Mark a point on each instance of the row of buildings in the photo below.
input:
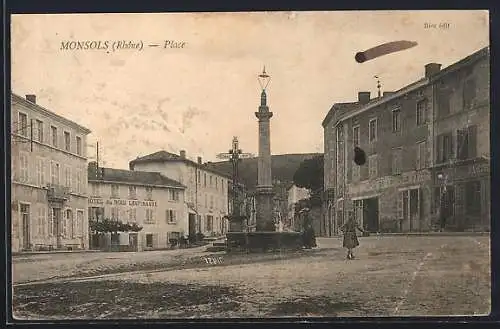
(428, 139)
(55, 192)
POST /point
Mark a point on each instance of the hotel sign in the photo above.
(122, 202)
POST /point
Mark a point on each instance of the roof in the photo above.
(341, 107)
(49, 113)
(134, 177)
(164, 156)
(482, 53)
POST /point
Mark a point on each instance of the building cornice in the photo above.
(103, 181)
(35, 107)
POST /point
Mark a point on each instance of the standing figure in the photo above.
(350, 237)
(309, 237)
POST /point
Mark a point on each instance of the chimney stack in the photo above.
(199, 160)
(31, 98)
(432, 69)
(183, 154)
(364, 97)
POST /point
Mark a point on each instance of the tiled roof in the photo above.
(162, 156)
(134, 177)
(342, 108)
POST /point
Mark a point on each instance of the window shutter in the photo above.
(63, 224)
(400, 205)
(439, 148)
(450, 145)
(460, 144)
(472, 142)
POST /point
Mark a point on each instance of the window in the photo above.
(356, 173)
(473, 198)
(39, 130)
(355, 136)
(171, 216)
(78, 145)
(216, 183)
(469, 93)
(80, 188)
(372, 130)
(115, 191)
(54, 172)
(51, 220)
(149, 240)
(466, 143)
(396, 161)
(211, 201)
(114, 213)
(40, 172)
(205, 180)
(210, 223)
(174, 195)
(206, 201)
(421, 112)
(132, 192)
(149, 216)
(54, 135)
(23, 166)
(67, 141)
(396, 120)
(199, 177)
(443, 97)
(421, 160)
(132, 215)
(373, 166)
(67, 175)
(42, 219)
(69, 224)
(444, 147)
(95, 190)
(79, 223)
(23, 124)
(149, 193)
(211, 182)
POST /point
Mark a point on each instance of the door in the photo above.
(56, 212)
(370, 214)
(133, 241)
(405, 224)
(414, 210)
(25, 217)
(191, 225)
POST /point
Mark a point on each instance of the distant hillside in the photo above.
(283, 167)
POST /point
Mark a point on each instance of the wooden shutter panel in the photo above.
(400, 205)
(460, 144)
(439, 148)
(472, 142)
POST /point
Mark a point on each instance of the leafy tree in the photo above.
(309, 175)
(107, 225)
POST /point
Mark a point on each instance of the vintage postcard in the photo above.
(250, 165)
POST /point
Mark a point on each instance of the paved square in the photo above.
(391, 276)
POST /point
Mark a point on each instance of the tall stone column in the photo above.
(264, 197)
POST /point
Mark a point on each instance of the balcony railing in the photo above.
(57, 192)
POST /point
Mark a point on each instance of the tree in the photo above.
(310, 175)
(112, 226)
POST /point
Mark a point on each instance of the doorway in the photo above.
(25, 217)
(370, 215)
(57, 228)
(191, 225)
(411, 204)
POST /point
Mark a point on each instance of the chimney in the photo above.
(31, 98)
(387, 93)
(364, 97)
(432, 69)
(183, 154)
(199, 160)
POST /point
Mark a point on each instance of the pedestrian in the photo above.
(308, 234)
(350, 238)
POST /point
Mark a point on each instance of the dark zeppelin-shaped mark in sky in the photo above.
(384, 49)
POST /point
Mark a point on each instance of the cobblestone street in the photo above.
(391, 276)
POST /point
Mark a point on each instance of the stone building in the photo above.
(402, 133)
(295, 194)
(149, 199)
(206, 194)
(49, 186)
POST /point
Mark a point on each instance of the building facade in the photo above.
(402, 137)
(206, 193)
(49, 186)
(152, 201)
(295, 194)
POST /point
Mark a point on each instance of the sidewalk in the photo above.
(415, 234)
(27, 253)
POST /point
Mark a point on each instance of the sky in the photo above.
(198, 97)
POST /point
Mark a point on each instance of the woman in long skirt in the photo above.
(350, 237)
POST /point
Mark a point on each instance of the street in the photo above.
(391, 276)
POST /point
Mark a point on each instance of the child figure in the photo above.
(350, 237)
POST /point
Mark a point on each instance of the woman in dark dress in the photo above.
(350, 237)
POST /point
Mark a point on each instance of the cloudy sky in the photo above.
(197, 98)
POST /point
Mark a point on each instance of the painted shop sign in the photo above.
(121, 202)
